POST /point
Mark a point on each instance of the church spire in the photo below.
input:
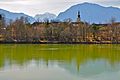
(78, 17)
(0, 17)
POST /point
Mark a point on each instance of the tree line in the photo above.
(21, 30)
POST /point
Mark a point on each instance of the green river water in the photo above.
(59, 62)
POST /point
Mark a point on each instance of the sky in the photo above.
(33, 7)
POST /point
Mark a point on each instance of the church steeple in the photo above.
(78, 17)
(0, 17)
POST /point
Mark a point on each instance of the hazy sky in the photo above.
(32, 7)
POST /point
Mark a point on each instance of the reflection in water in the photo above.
(82, 60)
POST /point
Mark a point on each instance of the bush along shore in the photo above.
(59, 43)
(55, 32)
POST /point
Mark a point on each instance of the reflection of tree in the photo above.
(21, 54)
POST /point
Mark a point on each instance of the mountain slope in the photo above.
(13, 16)
(44, 16)
(92, 13)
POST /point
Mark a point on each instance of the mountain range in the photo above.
(13, 16)
(89, 12)
(92, 13)
(42, 17)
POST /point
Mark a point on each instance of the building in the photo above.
(78, 17)
(0, 17)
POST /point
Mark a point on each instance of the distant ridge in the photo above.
(47, 15)
(92, 13)
(13, 16)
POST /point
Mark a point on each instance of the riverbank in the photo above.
(60, 42)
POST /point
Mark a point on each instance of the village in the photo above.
(21, 31)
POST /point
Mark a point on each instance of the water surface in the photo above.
(59, 62)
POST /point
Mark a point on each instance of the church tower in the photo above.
(0, 17)
(78, 17)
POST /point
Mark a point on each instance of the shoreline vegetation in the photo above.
(21, 31)
(59, 42)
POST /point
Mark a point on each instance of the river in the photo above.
(59, 62)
